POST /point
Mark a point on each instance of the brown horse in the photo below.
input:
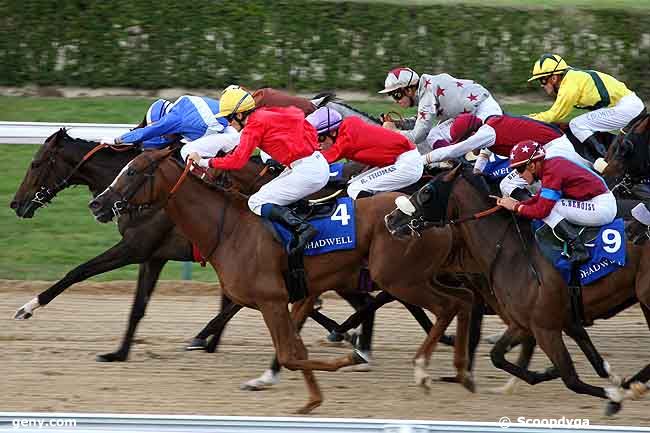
(534, 300)
(231, 236)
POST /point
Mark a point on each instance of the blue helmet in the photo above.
(157, 110)
(325, 120)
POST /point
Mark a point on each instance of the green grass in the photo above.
(65, 234)
(532, 4)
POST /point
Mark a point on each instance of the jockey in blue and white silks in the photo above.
(192, 117)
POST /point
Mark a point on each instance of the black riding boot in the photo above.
(596, 146)
(520, 194)
(569, 233)
(303, 232)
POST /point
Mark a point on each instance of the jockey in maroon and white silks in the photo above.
(499, 134)
(570, 190)
(439, 98)
(396, 161)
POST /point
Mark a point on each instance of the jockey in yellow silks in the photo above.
(610, 103)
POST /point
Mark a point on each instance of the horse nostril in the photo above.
(13, 204)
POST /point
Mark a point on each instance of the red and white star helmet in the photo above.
(400, 77)
(525, 152)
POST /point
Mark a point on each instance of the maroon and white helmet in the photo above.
(398, 78)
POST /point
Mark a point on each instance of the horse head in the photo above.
(427, 207)
(127, 191)
(57, 165)
(628, 158)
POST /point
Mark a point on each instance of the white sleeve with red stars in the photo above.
(427, 108)
(484, 137)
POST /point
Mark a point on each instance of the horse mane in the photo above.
(356, 110)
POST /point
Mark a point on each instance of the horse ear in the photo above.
(453, 174)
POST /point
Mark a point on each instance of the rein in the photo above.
(45, 195)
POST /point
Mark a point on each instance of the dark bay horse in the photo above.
(225, 230)
(533, 300)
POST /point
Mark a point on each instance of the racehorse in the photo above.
(148, 237)
(534, 300)
(230, 236)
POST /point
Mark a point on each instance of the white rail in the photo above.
(87, 423)
(37, 132)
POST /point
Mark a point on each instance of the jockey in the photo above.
(287, 137)
(190, 116)
(397, 161)
(612, 105)
(571, 193)
(438, 98)
(499, 134)
(210, 145)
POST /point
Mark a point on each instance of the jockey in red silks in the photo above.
(499, 134)
(288, 138)
(396, 160)
(571, 193)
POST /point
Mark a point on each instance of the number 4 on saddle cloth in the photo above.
(606, 246)
(334, 221)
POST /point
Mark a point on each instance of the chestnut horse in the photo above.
(534, 300)
(231, 237)
(148, 236)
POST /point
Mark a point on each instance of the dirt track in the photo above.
(47, 363)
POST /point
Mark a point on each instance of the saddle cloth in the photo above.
(335, 222)
(606, 246)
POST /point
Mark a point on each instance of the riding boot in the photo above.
(596, 146)
(570, 234)
(303, 232)
(520, 194)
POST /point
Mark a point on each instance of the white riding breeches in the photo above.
(209, 145)
(441, 133)
(304, 177)
(607, 119)
(598, 211)
(406, 171)
(561, 146)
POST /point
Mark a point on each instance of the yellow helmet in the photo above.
(235, 100)
(547, 65)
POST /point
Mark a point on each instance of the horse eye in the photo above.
(36, 164)
(130, 172)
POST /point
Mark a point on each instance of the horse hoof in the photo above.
(111, 357)
(212, 345)
(450, 379)
(308, 407)
(22, 314)
(266, 380)
(197, 344)
(469, 384)
(612, 408)
(360, 357)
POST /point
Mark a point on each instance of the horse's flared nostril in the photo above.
(13, 204)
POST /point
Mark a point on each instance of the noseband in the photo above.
(122, 205)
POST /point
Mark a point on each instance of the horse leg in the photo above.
(578, 333)
(550, 341)
(147, 277)
(364, 341)
(120, 254)
(461, 349)
(215, 327)
(528, 344)
(270, 376)
(511, 336)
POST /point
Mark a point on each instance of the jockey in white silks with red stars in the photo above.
(284, 134)
(439, 98)
(192, 117)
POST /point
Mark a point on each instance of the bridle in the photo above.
(45, 195)
(123, 205)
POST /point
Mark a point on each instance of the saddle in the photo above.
(312, 210)
(548, 240)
